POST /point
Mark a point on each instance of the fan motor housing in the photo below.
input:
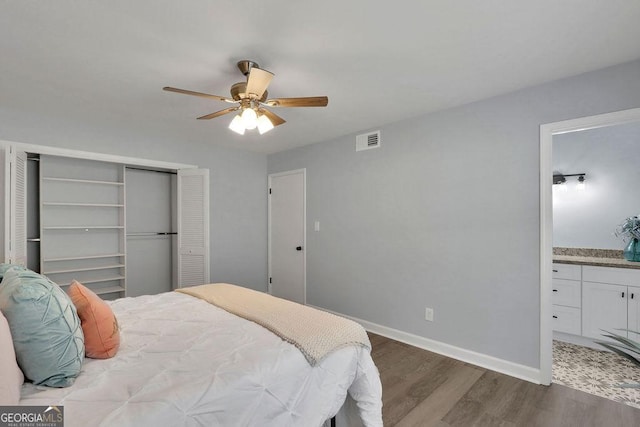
(239, 91)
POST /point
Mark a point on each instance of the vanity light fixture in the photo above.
(561, 180)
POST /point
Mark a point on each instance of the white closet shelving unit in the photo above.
(76, 220)
(82, 224)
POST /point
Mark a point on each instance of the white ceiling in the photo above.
(105, 62)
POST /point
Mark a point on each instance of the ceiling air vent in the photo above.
(368, 140)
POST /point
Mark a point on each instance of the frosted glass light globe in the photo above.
(249, 118)
(237, 125)
(264, 124)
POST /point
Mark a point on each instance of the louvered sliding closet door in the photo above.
(193, 227)
(18, 211)
(4, 197)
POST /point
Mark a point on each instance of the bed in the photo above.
(185, 362)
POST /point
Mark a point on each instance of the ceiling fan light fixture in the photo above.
(249, 118)
(264, 124)
(237, 125)
(250, 99)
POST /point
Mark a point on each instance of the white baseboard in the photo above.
(485, 361)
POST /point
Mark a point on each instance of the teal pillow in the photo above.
(5, 267)
(44, 326)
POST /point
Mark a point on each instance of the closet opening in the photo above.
(33, 212)
(77, 217)
(151, 230)
(114, 224)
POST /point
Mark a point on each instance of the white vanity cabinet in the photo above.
(633, 312)
(610, 300)
(566, 285)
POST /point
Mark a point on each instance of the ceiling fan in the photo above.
(251, 99)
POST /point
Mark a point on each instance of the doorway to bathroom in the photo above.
(588, 175)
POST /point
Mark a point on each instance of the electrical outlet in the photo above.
(428, 314)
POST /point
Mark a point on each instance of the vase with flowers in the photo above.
(629, 230)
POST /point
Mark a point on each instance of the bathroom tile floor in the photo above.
(596, 372)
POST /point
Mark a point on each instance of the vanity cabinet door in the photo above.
(604, 307)
(634, 312)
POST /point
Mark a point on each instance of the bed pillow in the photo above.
(5, 267)
(45, 328)
(10, 373)
(99, 324)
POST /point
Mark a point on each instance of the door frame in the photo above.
(547, 131)
(303, 171)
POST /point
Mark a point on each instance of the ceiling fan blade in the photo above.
(258, 81)
(219, 113)
(275, 119)
(203, 95)
(310, 101)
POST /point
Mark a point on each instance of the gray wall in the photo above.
(610, 157)
(237, 181)
(445, 214)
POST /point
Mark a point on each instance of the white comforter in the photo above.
(184, 362)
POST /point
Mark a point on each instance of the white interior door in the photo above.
(287, 274)
(193, 227)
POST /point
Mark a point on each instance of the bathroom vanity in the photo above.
(594, 291)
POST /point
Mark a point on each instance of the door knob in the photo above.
(298, 248)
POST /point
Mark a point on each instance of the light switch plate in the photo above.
(428, 314)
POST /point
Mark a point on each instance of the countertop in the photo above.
(597, 257)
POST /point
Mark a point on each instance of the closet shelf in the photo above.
(86, 205)
(109, 290)
(78, 258)
(102, 291)
(84, 227)
(82, 181)
(75, 270)
(106, 279)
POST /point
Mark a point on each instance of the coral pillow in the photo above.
(99, 324)
(10, 374)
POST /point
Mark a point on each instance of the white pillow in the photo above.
(10, 373)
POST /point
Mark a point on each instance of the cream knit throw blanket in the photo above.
(315, 333)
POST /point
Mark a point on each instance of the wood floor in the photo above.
(420, 388)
